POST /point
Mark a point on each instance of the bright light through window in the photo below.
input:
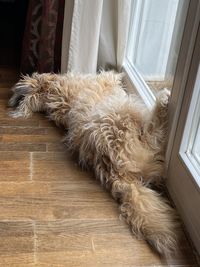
(155, 36)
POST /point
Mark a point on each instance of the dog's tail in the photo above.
(149, 215)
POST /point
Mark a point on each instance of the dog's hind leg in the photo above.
(156, 128)
(148, 214)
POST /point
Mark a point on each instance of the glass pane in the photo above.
(157, 32)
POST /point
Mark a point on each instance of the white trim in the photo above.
(182, 187)
(139, 83)
(188, 221)
(181, 75)
(190, 131)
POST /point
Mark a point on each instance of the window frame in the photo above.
(179, 93)
(189, 134)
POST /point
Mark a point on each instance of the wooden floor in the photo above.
(54, 214)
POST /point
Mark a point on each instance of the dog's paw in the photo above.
(163, 97)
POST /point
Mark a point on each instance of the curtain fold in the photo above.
(99, 32)
(84, 40)
(67, 25)
(43, 36)
(124, 11)
(75, 35)
(108, 36)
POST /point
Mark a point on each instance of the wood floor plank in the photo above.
(56, 147)
(15, 166)
(97, 227)
(7, 121)
(108, 238)
(16, 243)
(17, 260)
(51, 194)
(83, 236)
(61, 167)
(180, 257)
(54, 189)
(23, 209)
(22, 130)
(29, 138)
(30, 147)
(108, 258)
(51, 200)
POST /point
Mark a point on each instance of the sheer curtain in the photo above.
(95, 36)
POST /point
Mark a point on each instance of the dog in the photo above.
(116, 136)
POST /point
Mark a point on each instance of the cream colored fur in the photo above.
(114, 134)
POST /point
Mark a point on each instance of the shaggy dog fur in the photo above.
(114, 134)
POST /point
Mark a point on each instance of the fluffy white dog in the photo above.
(114, 134)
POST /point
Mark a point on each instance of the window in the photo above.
(184, 167)
(155, 35)
(164, 51)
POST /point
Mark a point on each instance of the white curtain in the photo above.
(97, 35)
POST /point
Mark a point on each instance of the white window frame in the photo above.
(134, 76)
(179, 90)
(139, 84)
(190, 132)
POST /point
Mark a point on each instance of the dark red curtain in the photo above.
(43, 36)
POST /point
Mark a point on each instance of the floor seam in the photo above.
(31, 166)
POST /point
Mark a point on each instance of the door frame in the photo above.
(183, 189)
(182, 70)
